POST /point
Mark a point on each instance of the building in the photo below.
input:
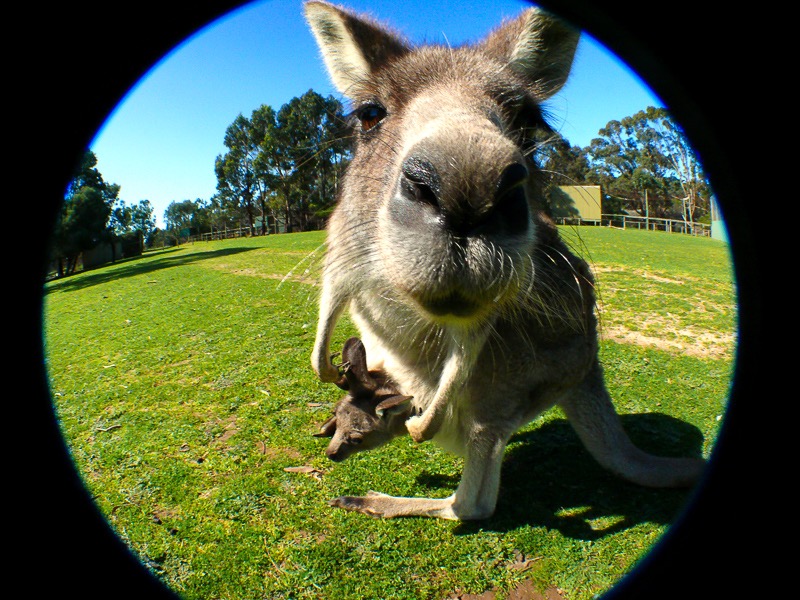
(580, 202)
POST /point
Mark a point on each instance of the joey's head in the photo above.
(442, 166)
(372, 412)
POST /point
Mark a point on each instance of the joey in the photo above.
(373, 411)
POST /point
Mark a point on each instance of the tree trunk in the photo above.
(288, 225)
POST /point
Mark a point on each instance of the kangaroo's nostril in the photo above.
(421, 181)
(510, 211)
(512, 178)
(420, 192)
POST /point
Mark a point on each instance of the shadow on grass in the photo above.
(550, 480)
(139, 265)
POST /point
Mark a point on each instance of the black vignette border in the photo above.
(693, 60)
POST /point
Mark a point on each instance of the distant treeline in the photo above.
(282, 170)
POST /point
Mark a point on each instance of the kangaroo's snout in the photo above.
(503, 209)
(460, 213)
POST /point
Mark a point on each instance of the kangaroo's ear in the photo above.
(539, 47)
(328, 428)
(352, 46)
(392, 405)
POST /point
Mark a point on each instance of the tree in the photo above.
(83, 222)
(121, 218)
(81, 226)
(563, 163)
(310, 131)
(271, 165)
(625, 164)
(287, 162)
(646, 160)
(677, 156)
(235, 170)
(178, 218)
(221, 213)
(143, 220)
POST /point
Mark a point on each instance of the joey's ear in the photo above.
(392, 405)
(539, 47)
(328, 428)
(359, 380)
(352, 46)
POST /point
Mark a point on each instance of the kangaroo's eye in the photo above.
(355, 440)
(370, 115)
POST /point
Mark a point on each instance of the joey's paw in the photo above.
(416, 428)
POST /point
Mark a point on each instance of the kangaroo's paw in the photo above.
(420, 428)
(326, 371)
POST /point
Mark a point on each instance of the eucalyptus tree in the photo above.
(562, 163)
(143, 219)
(646, 159)
(83, 221)
(303, 156)
(286, 162)
(179, 217)
(236, 169)
(314, 134)
(678, 156)
(624, 161)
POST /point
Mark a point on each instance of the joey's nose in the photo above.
(333, 455)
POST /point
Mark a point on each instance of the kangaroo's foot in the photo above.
(376, 504)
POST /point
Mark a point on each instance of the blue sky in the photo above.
(160, 142)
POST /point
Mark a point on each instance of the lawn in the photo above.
(182, 383)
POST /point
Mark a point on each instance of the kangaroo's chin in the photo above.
(454, 305)
(454, 308)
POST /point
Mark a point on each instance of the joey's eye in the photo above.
(355, 440)
(370, 115)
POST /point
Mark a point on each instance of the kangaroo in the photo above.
(441, 249)
(372, 413)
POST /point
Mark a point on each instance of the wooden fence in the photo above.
(636, 222)
(619, 221)
(223, 234)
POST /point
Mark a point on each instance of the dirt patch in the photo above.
(278, 453)
(524, 591)
(689, 342)
(250, 272)
(640, 273)
(230, 429)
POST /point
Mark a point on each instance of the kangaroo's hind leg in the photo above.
(475, 497)
(591, 413)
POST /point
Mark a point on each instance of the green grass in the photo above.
(182, 383)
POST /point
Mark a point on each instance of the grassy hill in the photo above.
(182, 383)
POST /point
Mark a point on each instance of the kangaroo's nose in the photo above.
(502, 207)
